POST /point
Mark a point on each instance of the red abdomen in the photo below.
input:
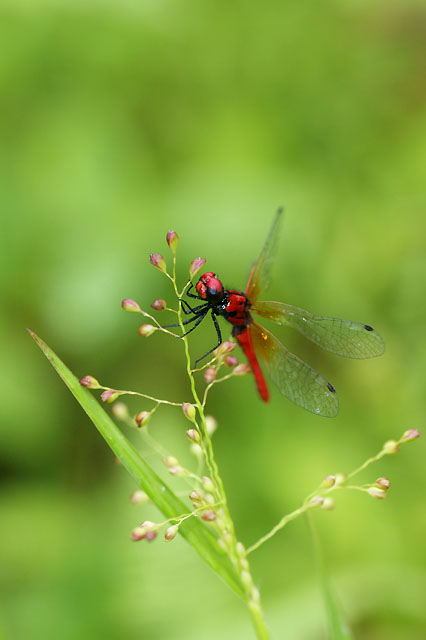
(244, 339)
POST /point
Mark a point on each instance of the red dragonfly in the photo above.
(294, 378)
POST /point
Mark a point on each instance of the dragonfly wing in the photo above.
(261, 270)
(294, 378)
(343, 337)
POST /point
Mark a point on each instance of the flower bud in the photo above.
(193, 435)
(189, 411)
(222, 544)
(130, 305)
(224, 348)
(148, 525)
(120, 411)
(246, 580)
(195, 266)
(209, 375)
(328, 482)
(376, 492)
(171, 532)
(382, 483)
(170, 461)
(328, 504)
(241, 550)
(158, 261)
(241, 370)
(138, 533)
(150, 536)
(231, 361)
(178, 471)
(317, 501)
(159, 304)
(109, 395)
(196, 450)
(209, 515)
(209, 498)
(90, 382)
(411, 434)
(208, 484)
(340, 479)
(142, 418)
(146, 330)
(195, 496)
(172, 240)
(139, 497)
(211, 425)
(391, 446)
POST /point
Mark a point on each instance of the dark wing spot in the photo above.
(368, 328)
(331, 388)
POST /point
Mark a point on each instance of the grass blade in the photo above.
(192, 529)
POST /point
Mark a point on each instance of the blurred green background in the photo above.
(120, 120)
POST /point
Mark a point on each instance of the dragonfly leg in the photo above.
(191, 310)
(197, 316)
(219, 337)
(191, 295)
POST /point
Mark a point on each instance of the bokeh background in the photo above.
(120, 120)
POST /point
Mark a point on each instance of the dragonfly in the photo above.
(295, 379)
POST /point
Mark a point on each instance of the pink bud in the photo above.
(90, 382)
(138, 533)
(142, 418)
(391, 446)
(178, 471)
(159, 305)
(109, 395)
(231, 361)
(328, 504)
(193, 435)
(317, 501)
(224, 348)
(376, 492)
(158, 261)
(328, 482)
(382, 483)
(209, 515)
(170, 461)
(195, 266)
(150, 536)
(210, 375)
(146, 330)
(171, 532)
(189, 410)
(130, 305)
(411, 434)
(241, 370)
(139, 497)
(195, 496)
(172, 240)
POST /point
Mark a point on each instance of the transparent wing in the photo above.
(343, 337)
(260, 273)
(294, 378)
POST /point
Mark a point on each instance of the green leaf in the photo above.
(199, 535)
(338, 628)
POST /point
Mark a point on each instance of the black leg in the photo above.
(168, 326)
(199, 319)
(219, 337)
(191, 295)
(191, 310)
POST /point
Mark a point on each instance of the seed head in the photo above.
(224, 348)
(317, 501)
(172, 240)
(189, 411)
(193, 435)
(209, 515)
(328, 482)
(211, 424)
(146, 330)
(376, 492)
(90, 382)
(120, 411)
(241, 369)
(231, 361)
(382, 483)
(391, 446)
(138, 533)
(170, 461)
(130, 305)
(139, 497)
(159, 304)
(109, 395)
(171, 532)
(195, 496)
(209, 375)
(328, 504)
(195, 266)
(208, 484)
(158, 261)
(142, 418)
(411, 434)
(340, 479)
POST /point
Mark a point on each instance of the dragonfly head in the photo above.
(209, 287)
